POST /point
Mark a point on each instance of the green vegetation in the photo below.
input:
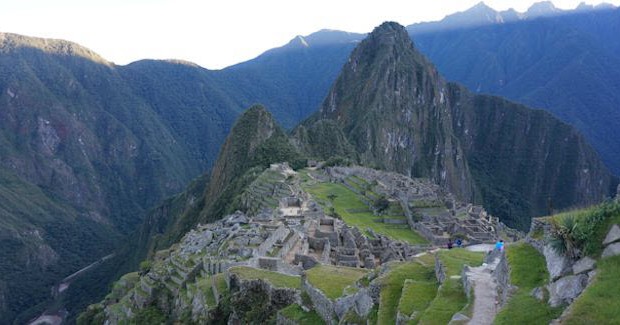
(295, 313)
(392, 284)
(416, 297)
(455, 259)
(527, 271)
(332, 280)
(354, 212)
(220, 283)
(599, 303)
(149, 315)
(278, 280)
(582, 231)
(450, 297)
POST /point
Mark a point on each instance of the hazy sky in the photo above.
(216, 34)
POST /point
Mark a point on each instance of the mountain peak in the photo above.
(10, 42)
(540, 9)
(389, 33)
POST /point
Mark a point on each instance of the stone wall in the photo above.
(327, 251)
(289, 244)
(278, 235)
(440, 270)
(502, 277)
(277, 297)
(361, 303)
(322, 305)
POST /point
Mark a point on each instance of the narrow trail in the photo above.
(485, 293)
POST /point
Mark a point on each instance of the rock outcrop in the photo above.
(612, 242)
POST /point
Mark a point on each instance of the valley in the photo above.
(335, 201)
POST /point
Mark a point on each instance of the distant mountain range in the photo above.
(87, 147)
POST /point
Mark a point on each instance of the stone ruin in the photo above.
(298, 234)
(417, 197)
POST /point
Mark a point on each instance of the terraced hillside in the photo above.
(317, 245)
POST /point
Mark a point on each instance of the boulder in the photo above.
(612, 236)
(557, 265)
(612, 250)
(538, 293)
(361, 303)
(566, 289)
(584, 265)
(236, 218)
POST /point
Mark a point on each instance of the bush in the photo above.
(579, 234)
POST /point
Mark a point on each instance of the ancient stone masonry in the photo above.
(437, 215)
(291, 233)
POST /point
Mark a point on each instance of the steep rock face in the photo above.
(399, 114)
(391, 105)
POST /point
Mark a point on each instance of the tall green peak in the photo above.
(399, 114)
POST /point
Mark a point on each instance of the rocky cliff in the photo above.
(399, 114)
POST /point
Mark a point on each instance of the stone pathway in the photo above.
(480, 247)
(485, 293)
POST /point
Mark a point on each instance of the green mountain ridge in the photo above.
(399, 114)
(95, 146)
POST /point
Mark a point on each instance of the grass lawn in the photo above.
(355, 213)
(600, 303)
(278, 280)
(416, 296)
(450, 297)
(454, 259)
(527, 271)
(332, 280)
(392, 287)
(295, 313)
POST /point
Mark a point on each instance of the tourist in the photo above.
(449, 243)
(499, 245)
(459, 243)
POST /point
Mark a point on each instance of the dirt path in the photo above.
(485, 293)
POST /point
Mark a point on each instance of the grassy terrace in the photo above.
(278, 280)
(220, 283)
(355, 213)
(295, 313)
(527, 271)
(416, 297)
(450, 297)
(332, 280)
(599, 303)
(392, 289)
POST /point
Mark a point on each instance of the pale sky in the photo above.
(216, 34)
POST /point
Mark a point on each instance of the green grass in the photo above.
(278, 280)
(332, 280)
(295, 313)
(204, 285)
(527, 271)
(450, 299)
(599, 303)
(454, 259)
(392, 286)
(416, 296)
(355, 213)
(220, 283)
